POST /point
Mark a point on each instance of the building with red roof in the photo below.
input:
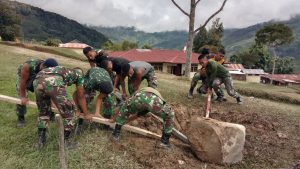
(168, 61)
(281, 79)
(74, 44)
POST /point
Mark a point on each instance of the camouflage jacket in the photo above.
(68, 76)
(34, 68)
(94, 77)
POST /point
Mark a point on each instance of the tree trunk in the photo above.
(274, 64)
(190, 40)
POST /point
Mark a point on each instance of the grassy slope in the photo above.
(17, 145)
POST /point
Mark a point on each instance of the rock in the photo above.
(181, 162)
(297, 154)
(215, 141)
(282, 135)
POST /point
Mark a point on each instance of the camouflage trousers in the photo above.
(151, 79)
(20, 109)
(45, 92)
(107, 103)
(204, 87)
(143, 102)
(228, 86)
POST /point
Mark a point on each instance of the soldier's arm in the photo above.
(138, 79)
(122, 81)
(24, 77)
(82, 102)
(99, 101)
(117, 79)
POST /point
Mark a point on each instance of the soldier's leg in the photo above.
(163, 110)
(216, 86)
(43, 102)
(108, 106)
(135, 106)
(194, 82)
(151, 79)
(66, 107)
(20, 109)
(230, 90)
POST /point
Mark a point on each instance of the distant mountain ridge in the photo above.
(162, 40)
(236, 40)
(40, 25)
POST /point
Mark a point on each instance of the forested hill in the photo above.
(237, 39)
(163, 40)
(40, 25)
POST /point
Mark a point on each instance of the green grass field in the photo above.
(17, 146)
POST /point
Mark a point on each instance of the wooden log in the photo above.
(95, 119)
(61, 142)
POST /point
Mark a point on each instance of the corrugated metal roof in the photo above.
(155, 56)
(234, 66)
(254, 71)
(289, 78)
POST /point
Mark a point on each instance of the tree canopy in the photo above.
(9, 23)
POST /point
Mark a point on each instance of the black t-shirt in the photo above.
(98, 59)
(117, 63)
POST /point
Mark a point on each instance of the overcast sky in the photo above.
(162, 15)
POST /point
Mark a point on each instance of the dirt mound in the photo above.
(266, 140)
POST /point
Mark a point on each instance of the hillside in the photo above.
(40, 25)
(265, 122)
(163, 40)
(237, 39)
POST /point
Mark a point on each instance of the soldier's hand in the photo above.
(24, 100)
(88, 117)
(112, 120)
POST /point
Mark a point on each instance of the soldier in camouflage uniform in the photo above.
(25, 76)
(143, 101)
(98, 79)
(137, 71)
(50, 85)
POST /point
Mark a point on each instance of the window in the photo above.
(194, 68)
(157, 67)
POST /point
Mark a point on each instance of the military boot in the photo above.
(21, 122)
(190, 93)
(116, 133)
(239, 100)
(164, 141)
(42, 137)
(68, 144)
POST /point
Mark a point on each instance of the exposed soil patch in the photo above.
(269, 141)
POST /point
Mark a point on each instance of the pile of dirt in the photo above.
(266, 141)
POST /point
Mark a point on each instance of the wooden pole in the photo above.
(61, 142)
(176, 133)
(208, 103)
(95, 119)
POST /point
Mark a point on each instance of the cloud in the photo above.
(162, 15)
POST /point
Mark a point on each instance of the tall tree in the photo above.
(274, 35)
(210, 39)
(192, 30)
(9, 22)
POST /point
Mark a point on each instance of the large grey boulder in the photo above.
(215, 141)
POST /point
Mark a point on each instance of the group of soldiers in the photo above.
(49, 81)
(213, 74)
